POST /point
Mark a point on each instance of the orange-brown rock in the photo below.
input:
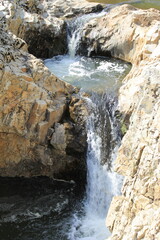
(32, 102)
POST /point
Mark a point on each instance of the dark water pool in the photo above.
(36, 209)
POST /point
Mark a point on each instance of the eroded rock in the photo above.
(44, 38)
(70, 8)
(125, 32)
(40, 23)
(32, 102)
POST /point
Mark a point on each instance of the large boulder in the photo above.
(59, 8)
(125, 32)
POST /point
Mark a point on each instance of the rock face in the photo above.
(40, 23)
(134, 36)
(70, 8)
(44, 38)
(40, 132)
(109, 35)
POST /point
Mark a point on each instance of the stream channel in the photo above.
(45, 209)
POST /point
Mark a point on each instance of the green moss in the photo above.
(123, 122)
(123, 128)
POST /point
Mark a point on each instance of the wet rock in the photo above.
(78, 110)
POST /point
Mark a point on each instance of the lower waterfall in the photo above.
(102, 182)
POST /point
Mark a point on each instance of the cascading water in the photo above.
(75, 28)
(102, 147)
(102, 182)
(103, 140)
(45, 209)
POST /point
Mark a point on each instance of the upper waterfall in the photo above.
(74, 30)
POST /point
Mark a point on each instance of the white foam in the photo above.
(102, 184)
(110, 66)
(87, 73)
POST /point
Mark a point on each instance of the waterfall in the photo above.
(101, 75)
(102, 182)
(102, 146)
(75, 28)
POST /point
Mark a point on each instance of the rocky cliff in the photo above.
(41, 131)
(134, 36)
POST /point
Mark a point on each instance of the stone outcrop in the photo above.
(44, 38)
(134, 35)
(69, 8)
(41, 23)
(38, 133)
(59, 8)
(109, 35)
